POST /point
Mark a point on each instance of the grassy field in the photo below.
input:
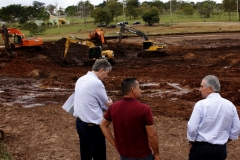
(166, 21)
(167, 25)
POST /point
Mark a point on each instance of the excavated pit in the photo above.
(35, 85)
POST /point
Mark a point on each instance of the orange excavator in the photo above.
(19, 38)
(97, 37)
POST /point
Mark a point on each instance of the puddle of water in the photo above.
(33, 105)
(226, 67)
(176, 85)
(149, 84)
(31, 93)
(28, 93)
(148, 92)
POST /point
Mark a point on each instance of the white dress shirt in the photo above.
(90, 98)
(213, 120)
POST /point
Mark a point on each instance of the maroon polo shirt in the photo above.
(129, 118)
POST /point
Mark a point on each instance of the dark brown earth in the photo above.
(34, 87)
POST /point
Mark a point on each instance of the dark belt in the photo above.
(89, 124)
(197, 142)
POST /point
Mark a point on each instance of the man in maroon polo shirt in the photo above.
(134, 135)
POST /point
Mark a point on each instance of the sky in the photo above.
(65, 3)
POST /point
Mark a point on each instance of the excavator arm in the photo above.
(148, 46)
(71, 39)
(131, 30)
(5, 36)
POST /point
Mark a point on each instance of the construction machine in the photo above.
(95, 52)
(98, 38)
(5, 36)
(20, 39)
(149, 48)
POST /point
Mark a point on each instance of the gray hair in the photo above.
(212, 81)
(101, 63)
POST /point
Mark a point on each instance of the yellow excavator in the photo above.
(95, 52)
(149, 48)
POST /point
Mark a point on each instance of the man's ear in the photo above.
(133, 89)
(210, 89)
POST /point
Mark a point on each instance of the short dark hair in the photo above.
(101, 63)
(127, 85)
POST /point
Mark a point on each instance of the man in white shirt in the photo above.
(213, 123)
(90, 100)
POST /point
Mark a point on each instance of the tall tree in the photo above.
(38, 11)
(84, 8)
(50, 8)
(71, 11)
(102, 15)
(229, 6)
(132, 8)
(115, 7)
(205, 8)
(151, 16)
(11, 13)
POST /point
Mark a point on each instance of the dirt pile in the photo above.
(17, 68)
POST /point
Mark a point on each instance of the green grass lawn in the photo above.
(164, 19)
(167, 25)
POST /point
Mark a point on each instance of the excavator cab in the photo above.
(95, 52)
(17, 39)
(147, 45)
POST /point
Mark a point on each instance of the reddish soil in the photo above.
(34, 87)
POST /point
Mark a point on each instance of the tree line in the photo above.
(108, 10)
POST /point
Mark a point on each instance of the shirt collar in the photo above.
(92, 74)
(128, 99)
(213, 95)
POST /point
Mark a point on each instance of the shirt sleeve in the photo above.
(148, 116)
(102, 96)
(107, 115)
(235, 128)
(193, 123)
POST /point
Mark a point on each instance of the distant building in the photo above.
(2, 23)
(54, 19)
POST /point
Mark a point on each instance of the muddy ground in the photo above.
(34, 87)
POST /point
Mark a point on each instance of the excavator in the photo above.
(95, 52)
(98, 38)
(149, 48)
(19, 38)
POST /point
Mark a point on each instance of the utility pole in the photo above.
(171, 10)
(123, 10)
(84, 13)
(237, 12)
(57, 16)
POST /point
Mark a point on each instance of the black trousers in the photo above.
(207, 151)
(92, 141)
